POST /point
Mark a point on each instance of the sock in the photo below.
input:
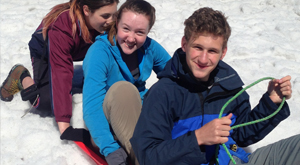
(23, 75)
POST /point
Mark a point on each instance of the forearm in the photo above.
(61, 71)
(248, 135)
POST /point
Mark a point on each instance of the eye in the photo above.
(125, 29)
(140, 33)
(212, 51)
(198, 48)
(106, 16)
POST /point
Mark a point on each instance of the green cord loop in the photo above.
(248, 123)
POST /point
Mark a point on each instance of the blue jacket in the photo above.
(177, 105)
(103, 66)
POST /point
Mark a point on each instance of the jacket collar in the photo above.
(223, 75)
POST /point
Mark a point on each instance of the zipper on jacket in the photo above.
(202, 106)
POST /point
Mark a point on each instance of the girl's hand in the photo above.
(279, 88)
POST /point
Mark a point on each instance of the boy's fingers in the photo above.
(229, 116)
(286, 91)
(227, 119)
(274, 82)
(223, 140)
(284, 79)
(286, 84)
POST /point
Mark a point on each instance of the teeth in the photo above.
(130, 45)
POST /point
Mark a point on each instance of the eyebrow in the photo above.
(131, 27)
(210, 48)
(106, 14)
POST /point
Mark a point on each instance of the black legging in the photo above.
(41, 75)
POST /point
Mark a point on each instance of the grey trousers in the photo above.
(283, 152)
(122, 107)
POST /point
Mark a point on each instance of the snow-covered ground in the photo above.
(265, 42)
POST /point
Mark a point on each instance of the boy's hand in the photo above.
(278, 88)
(214, 132)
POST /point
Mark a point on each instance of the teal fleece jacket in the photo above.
(102, 67)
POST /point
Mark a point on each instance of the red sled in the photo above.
(98, 160)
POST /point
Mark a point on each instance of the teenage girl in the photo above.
(116, 68)
(64, 36)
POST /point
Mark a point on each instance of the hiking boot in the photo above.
(12, 83)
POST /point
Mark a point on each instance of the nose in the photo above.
(130, 37)
(203, 58)
(110, 19)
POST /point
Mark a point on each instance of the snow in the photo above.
(264, 43)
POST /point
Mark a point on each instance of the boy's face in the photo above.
(203, 54)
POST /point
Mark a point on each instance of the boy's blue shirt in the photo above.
(103, 66)
(177, 105)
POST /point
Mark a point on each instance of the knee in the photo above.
(124, 89)
(123, 85)
(122, 95)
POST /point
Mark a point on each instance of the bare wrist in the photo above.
(62, 126)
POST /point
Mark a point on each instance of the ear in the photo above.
(183, 43)
(86, 10)
(224, 51)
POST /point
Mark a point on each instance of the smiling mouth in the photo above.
(130, 45)
(201, 66)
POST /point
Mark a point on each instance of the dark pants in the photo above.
(41, 75)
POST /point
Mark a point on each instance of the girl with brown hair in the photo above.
(116, 68)
(64, 36)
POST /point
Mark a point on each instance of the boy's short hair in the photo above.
(207, 21)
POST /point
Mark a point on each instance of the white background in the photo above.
(264, 42)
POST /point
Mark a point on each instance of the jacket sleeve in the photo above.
(152, 139)
(96, 68)
(251, 134)
(60, 44)
(161, 57)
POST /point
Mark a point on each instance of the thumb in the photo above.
(229, 116)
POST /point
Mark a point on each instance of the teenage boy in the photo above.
(179, 122)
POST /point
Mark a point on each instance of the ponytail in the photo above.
(76, 12)
(52, 15)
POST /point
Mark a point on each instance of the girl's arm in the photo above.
(96, 68)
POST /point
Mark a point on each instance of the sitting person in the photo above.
(63, 37)
(116, 68)
(179, 122)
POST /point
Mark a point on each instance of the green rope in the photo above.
(251, 122)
